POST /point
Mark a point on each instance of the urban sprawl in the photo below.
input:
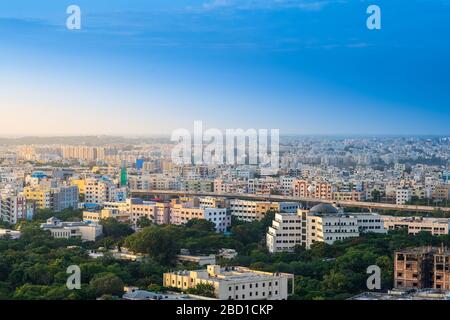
(141, 227)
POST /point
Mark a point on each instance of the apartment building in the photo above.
(322, 223)
(325, 224)
(349, 195)
(442, 192)
(402, 195)
(96, 216)
(158, 213)
(285, 233)
(197, 186)
(413, 268)
(235, 283)
(422, 268)
(414, 225)
(99, 191)
(83, 230)
(312, 189)
(248, 210)
(441, 269)
(14, 207)
(55, 199)
(132, 210)
(181, 213)
(286, 184)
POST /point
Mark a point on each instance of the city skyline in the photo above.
(305, 67)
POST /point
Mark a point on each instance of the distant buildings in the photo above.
(235, 283)
(83, 230)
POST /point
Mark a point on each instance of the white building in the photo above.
(326, 225)
(402, 195)
(182, 213)
(14, 207)
(436, 226)
(285, 233)
(99, 191)
(235, 283)
(322, 223)
(83, 230)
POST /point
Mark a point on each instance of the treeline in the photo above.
(34, 266)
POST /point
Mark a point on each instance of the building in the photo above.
(414, 225)
(132, 210)
(55, 199)
(82, 230)
(413, 268)
(422, 268)
(423, 294)
(12, 234)
(181, 213)
(235, 283)
(442, 192)
(314, 189)
(248, 210)
(349, 196)
(285, 233)
(14, 207)
(200, 260)
(441, 269)
(96, 216)
(402, 196)
(133, 293)
(99, 191)
(322, 223)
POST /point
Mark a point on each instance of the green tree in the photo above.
(115, 229)
(203, 289)
(106, 284)
(157, 242)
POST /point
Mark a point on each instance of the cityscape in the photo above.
(256, 154)
(140, 227)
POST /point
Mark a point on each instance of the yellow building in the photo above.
(81, 184)
(235, 283)
(105, 214)
(41, 197)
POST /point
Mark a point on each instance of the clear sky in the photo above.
(151, 66)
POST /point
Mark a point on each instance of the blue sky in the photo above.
(151, 66)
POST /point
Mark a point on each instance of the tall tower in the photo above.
(123, 176)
